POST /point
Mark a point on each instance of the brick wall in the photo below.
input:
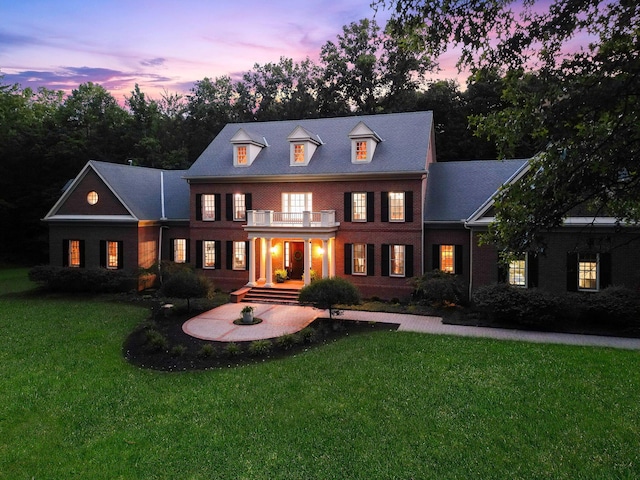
(77, 204)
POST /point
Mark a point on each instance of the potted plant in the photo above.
(281, 275)
(247, 314)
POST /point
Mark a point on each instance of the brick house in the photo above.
(358, 197)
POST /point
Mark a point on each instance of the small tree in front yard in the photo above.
(328, 292)
(185, 284)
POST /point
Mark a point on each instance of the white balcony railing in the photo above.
(269, 218)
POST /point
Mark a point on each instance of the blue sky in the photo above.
(161, 45)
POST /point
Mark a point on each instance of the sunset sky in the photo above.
(161, 45)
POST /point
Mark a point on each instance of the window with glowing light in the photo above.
(447, 258)
(239, 256)
(74, 253)
(112, 255)
(359, 259)
(239, 207)
(208, 254)
(518, 272)
(92, 198)
(588, 270)
(359, 207)
(180, 250)
(397, 260)
(361, 151)
(396, 206)
(298, 153)
(208, 207)
(241, 155)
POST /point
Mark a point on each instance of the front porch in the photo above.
(284, 293)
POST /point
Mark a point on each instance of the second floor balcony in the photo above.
(269, 218)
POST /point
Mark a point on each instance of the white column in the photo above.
(268, 274)
(325, 259)
(307, 262)
(332, 257)
(263, 256)
(252, 263)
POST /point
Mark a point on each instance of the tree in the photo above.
(571, 92)
(185, 284)
(326, 293)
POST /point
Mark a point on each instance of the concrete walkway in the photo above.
(277, 320)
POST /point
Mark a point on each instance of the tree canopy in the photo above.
(571, 73)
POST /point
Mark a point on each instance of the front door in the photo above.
(297, 260)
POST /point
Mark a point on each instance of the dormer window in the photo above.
(303, 146)
(246, 147)
(363, 143)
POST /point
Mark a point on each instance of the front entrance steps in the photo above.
(284, 296)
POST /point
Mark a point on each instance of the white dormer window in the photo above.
(303, 146)
(363, 143)
(246, 147)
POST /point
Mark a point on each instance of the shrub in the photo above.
(307, 334)
(260, 347)
(438, 288)
(206, 351)
(185, 284)
(503, 302)
(178, 350)
(232, 349)
(81, 280)
(288, 340)
(156, 341)
(614, 305)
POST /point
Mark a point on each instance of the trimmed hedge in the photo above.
(80, 280)
(613, 306)
(438, 288)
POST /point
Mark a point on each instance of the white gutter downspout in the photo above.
(162, 218)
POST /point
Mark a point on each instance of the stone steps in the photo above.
(285, 296)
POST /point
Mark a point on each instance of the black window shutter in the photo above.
(248, 204)
(371, 261)
(384, 206)
(65, 252)
(82, 264)
(229, 206)
(408, 261)
(457, 253)
(187, 247)
(247, 257)
(229, 255)
(217, 207)
(370, 207)
(172, 249)
(408, 206)
(435, 256)
(503, 272)
(199, 253)
(120, 255)
(605, 270)
(199, 206)
(385, 259)
(347, 206)
(572, 272)
(348, 256)
(103, 253)
(532, 271)
(218, 255)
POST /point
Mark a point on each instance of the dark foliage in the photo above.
(438, 288)
(79, 280)
(328, 292)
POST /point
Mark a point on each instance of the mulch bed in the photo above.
(183, 352)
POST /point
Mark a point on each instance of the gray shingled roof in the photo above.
(455, 190)
(404, 147)
(139, 189)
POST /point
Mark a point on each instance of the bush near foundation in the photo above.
(81, 280)
(438, 288)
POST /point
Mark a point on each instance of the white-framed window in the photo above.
(92, 197)
(239, 256)
(112, 255)
(239, 206)
(296, 202)
(74, 253)
(361, 151)
(298, 153)
(359, 207)
(241, 154)
(518, 272)
(396, 206)
(208, 254)
(180, 250)
(359, 259)
(397, 260)
(208, 202)
(589, 271)
(287, 254)
(447, 258)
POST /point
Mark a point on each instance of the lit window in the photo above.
(241, 155)
(208, 207)
(588, 271)
(361, 150)
(359, 259)
(296, 202)
(287, 254)
(359, 205)
(447, 263)
(179, 250)
(239, 256)
(397, 260)
(239, 207)
(208, 254)
(298, 153)
(112, 255)
(518, 272)
(92, 198)
(74, 253)
(396, 206)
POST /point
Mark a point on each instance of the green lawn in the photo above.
(376, 405)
